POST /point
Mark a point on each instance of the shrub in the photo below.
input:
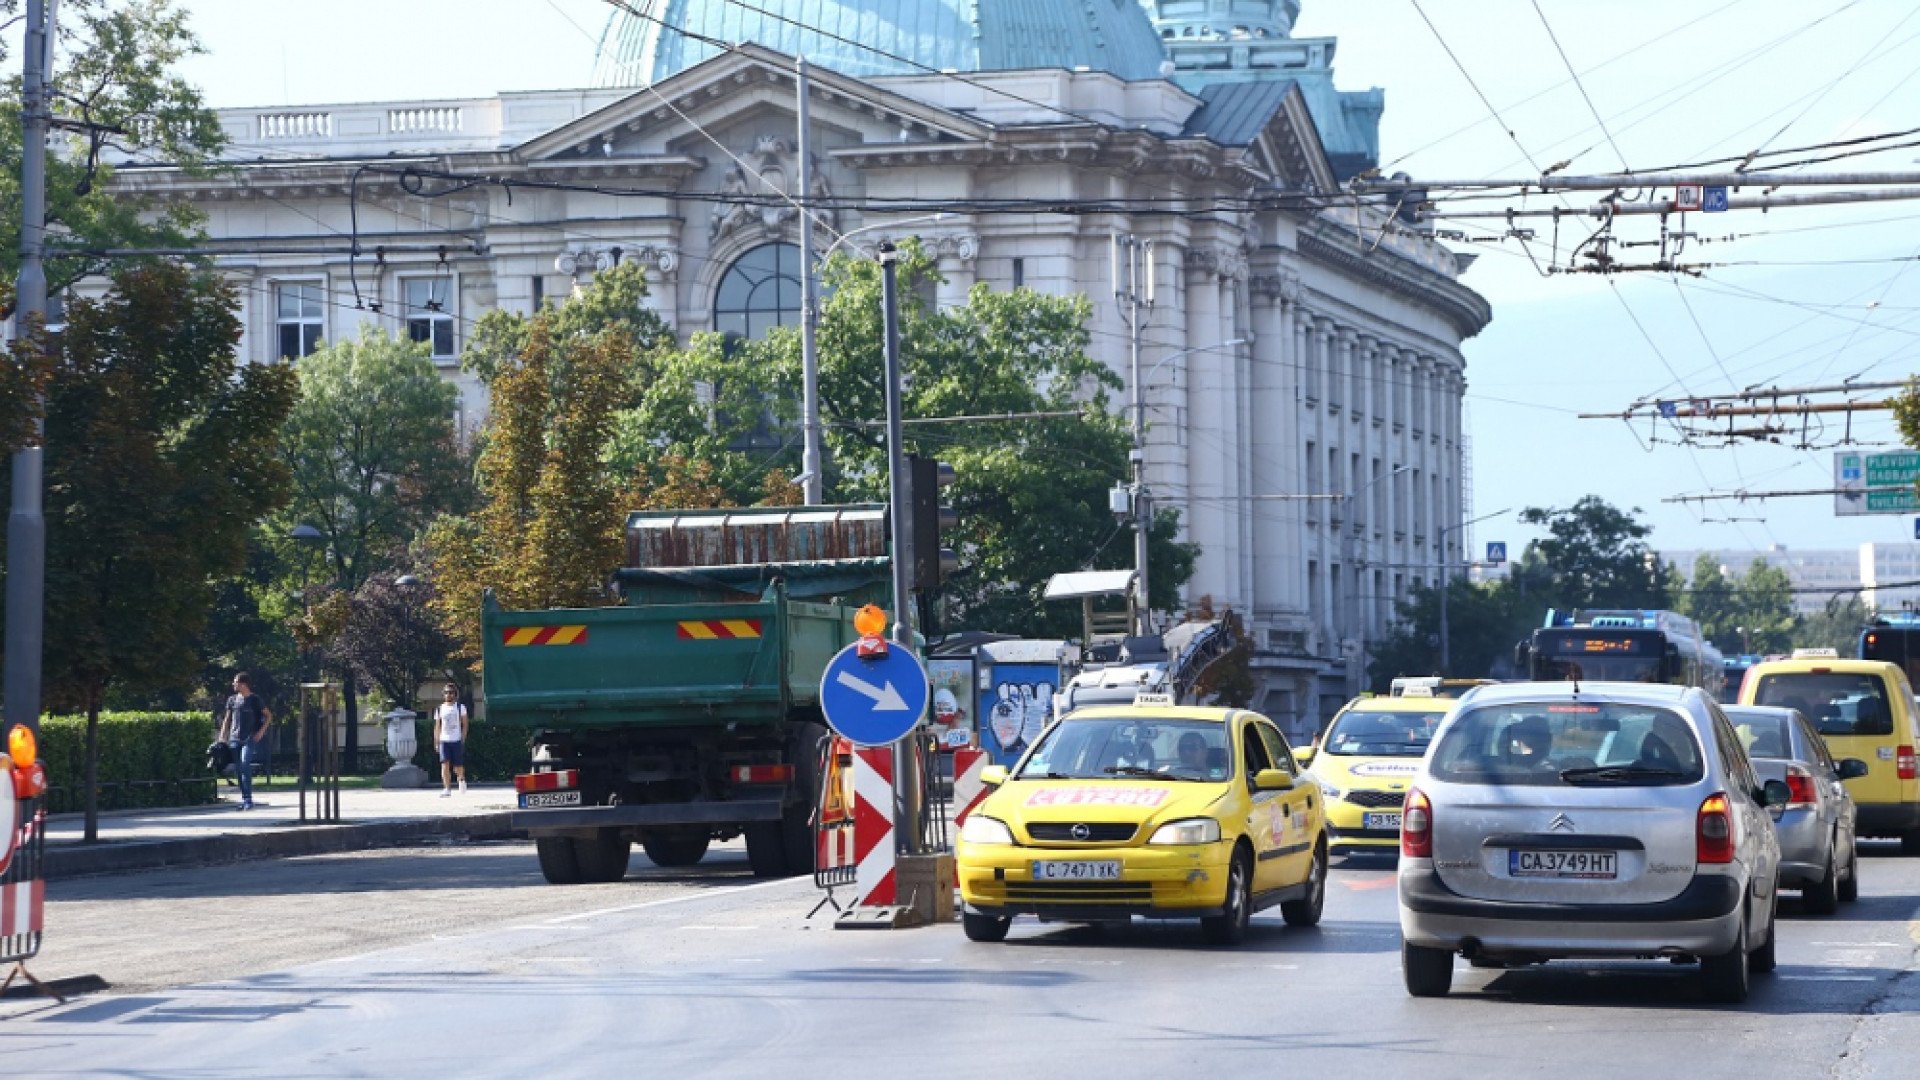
(493, 752)
(146, 759)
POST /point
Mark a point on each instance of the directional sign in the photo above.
(1496, 551)
(874, 700)
(1880, 483)
(1714, 200)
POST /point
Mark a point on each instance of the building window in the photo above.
(429, 303)
(1019, 273)
(760, 291)
(298, 318)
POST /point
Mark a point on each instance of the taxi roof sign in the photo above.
(1417, 690)
(1148, 697)
(1802, 654)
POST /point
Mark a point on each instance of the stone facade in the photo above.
(1348, 386)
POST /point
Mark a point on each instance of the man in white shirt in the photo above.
(450, 731)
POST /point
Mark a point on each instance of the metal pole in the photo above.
(813, 480)
(1446, 586)
(908, 796)
(1127, 294)
(26, 522)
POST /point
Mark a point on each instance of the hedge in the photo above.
(146, 759)
(492, 752)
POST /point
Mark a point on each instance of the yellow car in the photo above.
(1147, 809)
(1364, 763)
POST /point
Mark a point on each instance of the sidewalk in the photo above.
(146, 839)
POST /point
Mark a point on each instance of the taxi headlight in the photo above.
(1329, 790)
(1199, 830)
(981, 829)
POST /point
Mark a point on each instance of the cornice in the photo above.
(1337, 247)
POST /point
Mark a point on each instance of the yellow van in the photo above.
(1864, 709)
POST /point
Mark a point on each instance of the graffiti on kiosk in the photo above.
(1020, 714)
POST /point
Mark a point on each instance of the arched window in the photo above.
(761, 290)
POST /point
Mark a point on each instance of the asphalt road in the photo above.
(712, 974)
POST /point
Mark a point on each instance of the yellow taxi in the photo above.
(1147, 809)
(1863, 709)
(1365, 761)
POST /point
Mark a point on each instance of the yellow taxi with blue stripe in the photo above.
(1364, 763)
(1152, 810)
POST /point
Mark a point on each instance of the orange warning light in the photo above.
(870, 621)
(22, 747)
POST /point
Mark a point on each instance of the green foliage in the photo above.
(1484, 623)
(493, 753)
(612, 302)
(1712, 600)
(1836, 627)
(146, 759)
(116, 67)
(372, 450)
(1742, 613)
(1766, 609)
(1596, 556)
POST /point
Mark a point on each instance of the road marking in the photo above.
(716, 926)
(1867, 944)
(1370, 883)
(1825, 978)
(707, 895)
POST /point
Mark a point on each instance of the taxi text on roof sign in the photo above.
(543, 635)
(1153, 698)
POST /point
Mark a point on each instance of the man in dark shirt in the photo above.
(243, 725)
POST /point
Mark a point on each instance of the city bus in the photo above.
(1622, 646)
(1896, 639)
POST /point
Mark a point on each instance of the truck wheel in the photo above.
(796, 824)
(767, 849)
(675, 847)
(603, 856)
(557, 863)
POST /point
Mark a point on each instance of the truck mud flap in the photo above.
(739, 812)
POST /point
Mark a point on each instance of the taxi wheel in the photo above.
(1306, 910)
(1850, 885)
(1910, 842)
(1230, 926)
(1428, 972)
(985, 927)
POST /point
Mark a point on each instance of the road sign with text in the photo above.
(1880, 483)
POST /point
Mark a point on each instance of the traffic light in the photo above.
(928, 519)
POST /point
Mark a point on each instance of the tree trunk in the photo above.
(92, 777)
(351, 765)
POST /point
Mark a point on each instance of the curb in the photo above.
(70, 860)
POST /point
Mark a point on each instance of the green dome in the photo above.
(1114, 36)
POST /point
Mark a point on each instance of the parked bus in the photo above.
(1735, 670)
(1894, 638)
(1622, 646)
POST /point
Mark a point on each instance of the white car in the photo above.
(1588, 820)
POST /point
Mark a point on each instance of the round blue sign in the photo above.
(877, 700)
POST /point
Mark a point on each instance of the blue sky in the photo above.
(1804, 295)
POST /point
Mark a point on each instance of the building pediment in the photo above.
(673, 116)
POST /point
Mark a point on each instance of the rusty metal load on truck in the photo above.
(690, 712)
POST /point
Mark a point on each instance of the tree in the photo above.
(1766, 609)
(374, 457)
(1836, 627)
(390, 638)
(162, 450)
(1711, 599)
(115, 80)
(1596, 556)
(1484, 622)
(547, 533)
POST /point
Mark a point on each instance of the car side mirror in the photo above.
(1775, 793)
(1303, 756)
(993, 775)
(1272, 780)
(1851, 768)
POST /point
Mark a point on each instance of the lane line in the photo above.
(709, 894)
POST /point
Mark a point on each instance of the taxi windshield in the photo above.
(1838, 703)
(1383, 734)
(1113, 747)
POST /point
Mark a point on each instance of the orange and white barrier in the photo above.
(23, 818)
(833, 854)
(968, 790)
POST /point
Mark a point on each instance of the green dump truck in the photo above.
(690, 713)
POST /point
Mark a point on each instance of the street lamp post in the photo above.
(1351, 534)
(1446, 580)
(309, 538)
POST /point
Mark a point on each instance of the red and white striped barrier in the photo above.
(23, 893)
(873, 838)
(968, 791)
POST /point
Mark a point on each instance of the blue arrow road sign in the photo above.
(874, 701)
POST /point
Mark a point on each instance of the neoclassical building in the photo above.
(1347, 378)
